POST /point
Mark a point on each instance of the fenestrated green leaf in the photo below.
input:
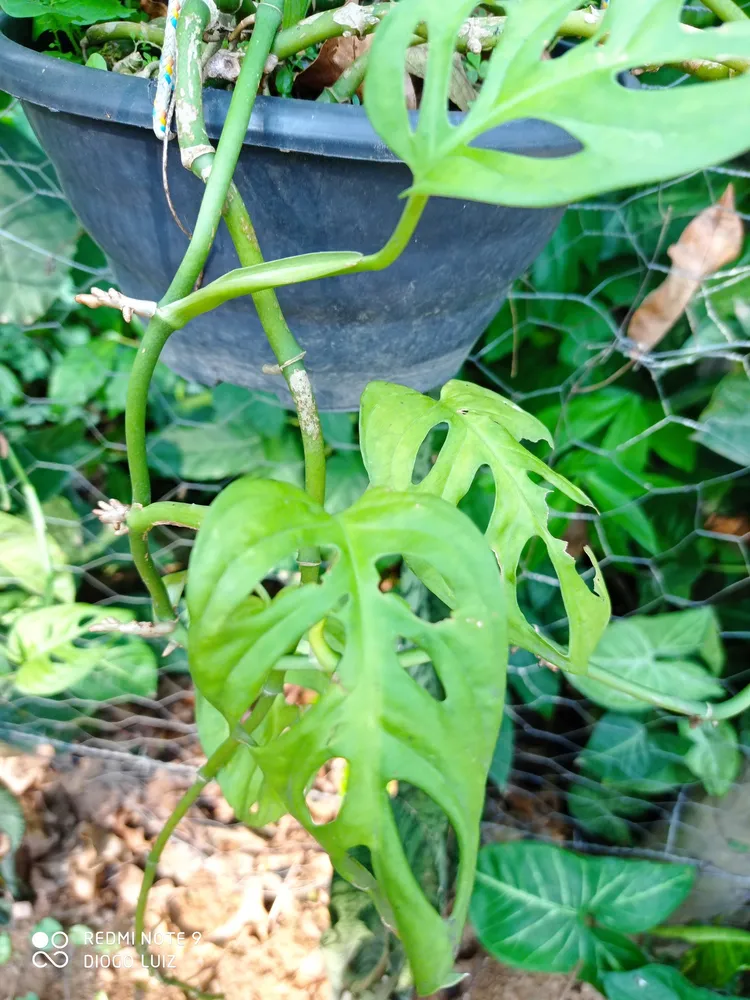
(37, 228)
(372, 714)
(76, 11)
(637, 653)
(22, 561)
(485, 429)
(714, 756)
(654, 982)
(725, 423)
(549, 910)
(627, 136)
(52, 649)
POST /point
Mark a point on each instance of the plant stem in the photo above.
(215, 763)
(726, 10)
(266, 275)
(321, 27)
(182, 515)
(197, 154)
(118, 31)
(223, 167)
(705, 710)
(36, 515)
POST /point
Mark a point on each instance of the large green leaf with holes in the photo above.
(627, 135)
(485, 429)
(372, 713)
(545, 909)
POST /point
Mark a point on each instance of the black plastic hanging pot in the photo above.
(314, 177)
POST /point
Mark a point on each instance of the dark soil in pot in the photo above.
(314, 177)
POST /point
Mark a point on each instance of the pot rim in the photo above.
(286, 124)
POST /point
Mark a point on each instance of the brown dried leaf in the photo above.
(154, 8)
(711, 241)
(461, 91)
(335, 56)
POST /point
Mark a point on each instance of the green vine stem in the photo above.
(197, 155)
(215, 763)
(726, 10)
(180, 515)
(267, 21)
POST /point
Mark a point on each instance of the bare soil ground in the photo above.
(237, 912)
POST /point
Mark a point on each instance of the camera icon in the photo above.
(56, 956)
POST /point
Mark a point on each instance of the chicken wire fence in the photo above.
(660, 443)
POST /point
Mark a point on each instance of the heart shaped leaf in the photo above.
(627, 135)
(548, 910)
(373, 713)
(657, 982)
(485, 429)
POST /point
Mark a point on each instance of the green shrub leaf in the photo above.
(628, 135)
(75, 11)
(372, 714)
(54, 652)
(714, 756)
(22, 563)
(653, 650)
(485, 429)
(545, 909)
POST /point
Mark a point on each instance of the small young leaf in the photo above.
(372, 714)
(545, 909)
(604, 812)
(654, 982)
(620, 136)
(485, 429)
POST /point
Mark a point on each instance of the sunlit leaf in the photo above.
(372, 713)
(486, 429)
(627, 136)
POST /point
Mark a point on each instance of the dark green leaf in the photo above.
(545, 909)
(82, 371)
(652, 651)
(13, 825)
(75, 11)
(206, 452)
(603, 812)
(38, 229)
(725, 423)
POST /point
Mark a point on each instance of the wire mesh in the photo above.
(671, 528)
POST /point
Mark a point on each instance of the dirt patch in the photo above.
(233, 911)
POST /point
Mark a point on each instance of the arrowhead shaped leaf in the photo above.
(548, 910)
(485, 429)
(373, 714)
(627, 136)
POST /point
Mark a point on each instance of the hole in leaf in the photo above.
(326, 791)
(429, 842)
(529, 137)
(418, 666)
(428, 451)
(479, 501)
